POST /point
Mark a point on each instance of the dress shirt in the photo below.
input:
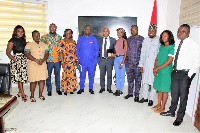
(52, 43)
(189, 55)
(107, 45)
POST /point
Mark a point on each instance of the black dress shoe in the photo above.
(143, 100)
(49, 93)
(102, 89)
(136, 99)
(65, 93)
(167, 114)
(59, 92)
(127, 96)
(109, 90)
(177, 122)
(71, 92)
(80, 91)
(91, 91)
(150, 103)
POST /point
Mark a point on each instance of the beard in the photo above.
(52, 32)
(87, 34)
(151, 36)
(134, 34)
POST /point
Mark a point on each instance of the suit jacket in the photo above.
(112, 46)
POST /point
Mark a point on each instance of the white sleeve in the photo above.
(196, 60)
(142, 55)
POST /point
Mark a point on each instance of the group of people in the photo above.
(158, 63)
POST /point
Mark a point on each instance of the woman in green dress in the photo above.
(162, 69)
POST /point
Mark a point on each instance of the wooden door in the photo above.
(197, 115)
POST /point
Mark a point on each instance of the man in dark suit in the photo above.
(106, 59)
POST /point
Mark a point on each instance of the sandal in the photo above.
(32, 99)
(159, 111)
(155, 108)
(18, 94)
(24, 99)
(42, 98)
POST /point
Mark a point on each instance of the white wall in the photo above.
(65, 13)
(173, 11)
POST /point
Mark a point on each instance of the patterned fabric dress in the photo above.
(69, 82)
(18, 69)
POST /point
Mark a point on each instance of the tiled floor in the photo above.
(86, 113)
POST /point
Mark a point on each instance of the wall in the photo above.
(65, 13)
(172, 20)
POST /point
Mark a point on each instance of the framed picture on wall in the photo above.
(98, 23)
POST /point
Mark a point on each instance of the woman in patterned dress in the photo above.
(67, 52)
(18, 63)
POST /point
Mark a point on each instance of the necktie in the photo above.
(176, 56)
(105, 51)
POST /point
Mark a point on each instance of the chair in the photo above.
(5, 81)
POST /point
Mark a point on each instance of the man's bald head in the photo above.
(106, 32)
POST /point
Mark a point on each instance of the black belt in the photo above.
(183, 70)
(105, 58)
(119, 55)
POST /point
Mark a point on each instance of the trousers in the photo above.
(91, 68)
(180, 84)
(120, 73)
(134, 79)
(56, 67)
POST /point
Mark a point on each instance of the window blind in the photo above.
(32, 16)
(190, 12)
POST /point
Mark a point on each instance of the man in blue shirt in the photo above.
(87, 53)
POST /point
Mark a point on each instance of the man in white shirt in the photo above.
(150, 47)
(186, 63)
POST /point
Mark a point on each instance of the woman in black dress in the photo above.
(18, 63)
